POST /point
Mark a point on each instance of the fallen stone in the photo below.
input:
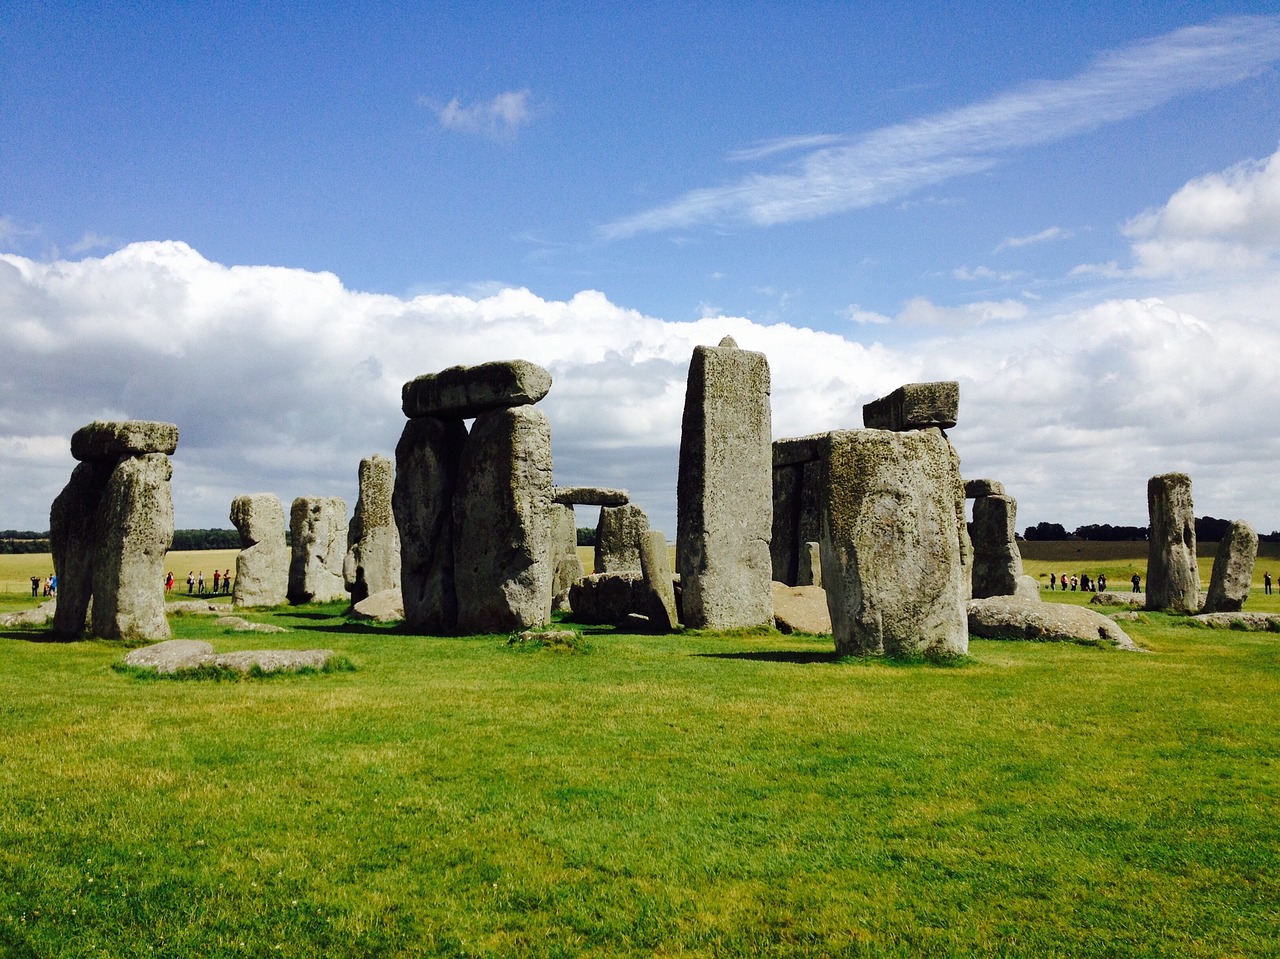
(975, 488)
(1232, 569)
(915, 406)
(171, 655)
(1027, 588)
(239, 625)
(466, 391)
(590, 496)
(1119, 599)
(39, 616)
(384, 607)
(1250, 622)
(262, 565)
(274, 660)
(801, 609)
(111, 440)
(1173, 577)
(196, 607)
(1010, 617)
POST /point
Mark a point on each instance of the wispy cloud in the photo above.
(500, 117)
(889, 163)
(1044, 236)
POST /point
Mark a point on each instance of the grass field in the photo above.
(694, 795)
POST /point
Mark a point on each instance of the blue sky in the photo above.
(219, 217)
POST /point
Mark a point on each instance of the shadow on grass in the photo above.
(799, 657)
(39, 634)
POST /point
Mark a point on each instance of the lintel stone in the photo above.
(468, 391)
(977, 488)
(589, 496)
(103, 440)
(915, 406)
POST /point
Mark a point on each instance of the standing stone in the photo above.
(1173, 577)
(566, 564)
(428, 458)
(618, 536)
(136, 531)
(810, 573)
(318, 528)
(372, 562)
(73, 538)
(1232, 569)
(797, 491)
(502, 523)
(262, 565)
(724, 490)
(892, 562)
(655, 564)
(997, 563)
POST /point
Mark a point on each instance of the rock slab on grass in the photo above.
(176, 655)
(31, 617)
(1250, 622)
(801, 609)
(384, 607)
(1010, 617)
(1119, 599)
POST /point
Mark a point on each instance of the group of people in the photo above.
(49, 584)
(1081, 582)
(196, 583)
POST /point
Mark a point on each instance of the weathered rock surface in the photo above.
(1232, 569)
(262, 565)
(590, 496)
(240, 625)
(566, 563)
(384, 607)
(801, 609)
(655, 565)
(724, 490)
(39, 616)
(135, 530)
(975, 488)
(318, 528)
(608, 598)
(466, 391)
(502, 523)
(171, 655)
(1119, 599)
(195, 607)
(111, 440)
(618, 536)
(1027, 588)
(428, 457)
(893, 546)
(73, 537)
(372, 561)
(1250, 622)
(1173, 577)
(810, 573)
(797, 493)
(1009, 617)
(915, 406)
(997, 563)
(177, 655)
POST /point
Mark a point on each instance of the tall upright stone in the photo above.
(110, 529)
(502, 522)
(892, 556)
(810, 573)
(1173, 576)
(1232, 569)
(262, 565)
(797, 491)
(724, 493)
(618, 535)
(318, 529)
(427, 462)
(566, 564)
(372, 562)
(136, 533)
(997, 561)
(655, 564)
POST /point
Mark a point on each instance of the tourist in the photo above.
(217, 581)
(226, 581)
(200, 583)
(1137, 583)
(168, 582)
(35, 586)
(191, 581)
(1053, 582)
(1102, 582)
(1266, 583)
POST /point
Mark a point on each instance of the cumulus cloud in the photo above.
(851, 172)
(500, 117)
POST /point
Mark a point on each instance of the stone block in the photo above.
(262, 565)
(466, 391)
(975, 488)
(372, 561)
(1173, 576)
(1232, 569)
(590, 496)
(997, 562)
(655, 564)
(915, 406)
(618, 535)
(102, 440)
(318, 530)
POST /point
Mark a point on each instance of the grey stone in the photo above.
(1232, 569)
(1119, 599)
(618, 536)
(724, 495)
(428, 457)
(801, 609)
(915, 406)
(997, 564)
(111, 440)
(171, 655)
(1010, 617)
(502, 523)
(1028, 589)
(565, 561)
(262, 565)
(372, 561)
(467, 391)
(39, 616)
(893, 562)
(608, 598)
(590, 496)
(274, 660)
(195, 607)
(318, 529)
(797, 519)
(795, 450)
(384, 607)
(810, 565)
(1173, 577)
(73, 538)
(1248, 622)
(239, 624)
(655, 564)
(975, 488)
(135, 532)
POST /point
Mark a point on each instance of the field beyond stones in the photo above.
(700, 794)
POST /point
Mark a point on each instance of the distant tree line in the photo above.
(586, 536)
(1209, 529)
(23, 541)
(29, 541)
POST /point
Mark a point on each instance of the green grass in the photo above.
(699, 795)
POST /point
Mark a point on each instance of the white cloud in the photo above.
(920, 311)
(856, 314)
(500, 117)
(1044, 236)
(984, 273)
(892, 162)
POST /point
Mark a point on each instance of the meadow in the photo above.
(699, 795)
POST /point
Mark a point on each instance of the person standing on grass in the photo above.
(217, 581)
(35, 587)
(168, 582)
(1053, 582)
(1137, 583)
(1266, 583)
(200, 583)
(191, 581)
(226, 581)
(1102, 582)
